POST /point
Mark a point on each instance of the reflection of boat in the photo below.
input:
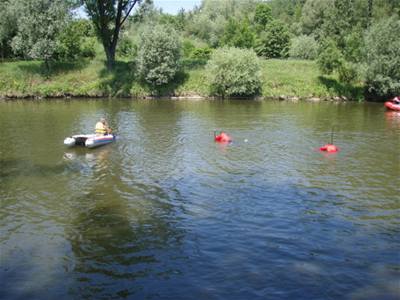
(89, 140)
(392, 106)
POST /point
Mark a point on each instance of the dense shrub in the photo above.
(348, 72)
(88, 47)
(39, 27)
(238, 34)
(234, 72)
(303, 47)
(126, 48)
(203, 53)
(382, 57)
(274, 41)
(8, 27)
(262, 14)
(158, 55)
(329, 58)
(75, 41)
(187, 48)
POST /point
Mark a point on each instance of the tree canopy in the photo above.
(108, 16)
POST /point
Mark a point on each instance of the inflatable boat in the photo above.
(89, 140)
(392, 106)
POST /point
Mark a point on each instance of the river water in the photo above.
(166, 213)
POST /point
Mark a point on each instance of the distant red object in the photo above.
(329, 148)
(392, 106)
(222, 138)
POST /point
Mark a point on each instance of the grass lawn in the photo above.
(292, 78)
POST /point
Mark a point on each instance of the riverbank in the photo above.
(282, 79)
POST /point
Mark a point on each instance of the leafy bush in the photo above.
(330, 58)
(238, 34)
(39, 27)
(88, 47)
(348, 72)
(234, 72)
(303, 47)
(8, 27)
(263, 14)
(201, 53)
(126, 48)
(158, 55)
(274, 42)
(382, 57)
(75, 41)
(187, 48)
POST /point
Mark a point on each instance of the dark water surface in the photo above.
(165, 213)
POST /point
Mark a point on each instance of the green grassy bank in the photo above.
(281, 79)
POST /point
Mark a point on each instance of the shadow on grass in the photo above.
(343, 89)
(169, 89)
(118, 82)
(55, 68)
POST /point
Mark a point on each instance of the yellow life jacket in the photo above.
(100, 128)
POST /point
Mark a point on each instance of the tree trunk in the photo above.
(370, 7)
(110, 53)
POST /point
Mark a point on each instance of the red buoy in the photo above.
(329, 148)
(222, 137)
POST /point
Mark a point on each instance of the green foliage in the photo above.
(74, 41)
(108, 17)
(348, 72)
(195, 56)
(209, 22)
(263, 14)
(234, 72)
(238, 34)
(39, 27)
(274, 42)
(330, 58)
(201, 53)
(158, 55)
(177, 22)
(88, 47)
(145, 12)
(8, 27)
(303, 47)
(187, 48)
(382, 58)
(339, 21)
(126, 47)
(354, 45)
(314, 14)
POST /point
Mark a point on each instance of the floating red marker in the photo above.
(329, 148)
(222, 137)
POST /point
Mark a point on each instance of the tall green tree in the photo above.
(314, 14)
(238, 34)
(39, 27)
(8, 27)
(108, 16)
(263, 14)
(382, 58)
(274, 41)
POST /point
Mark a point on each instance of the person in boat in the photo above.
(396, 100)
(102, 127)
